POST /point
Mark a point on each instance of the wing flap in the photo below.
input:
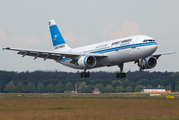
(40, 55)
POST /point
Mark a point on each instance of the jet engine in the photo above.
(147, 63)
(87, 61)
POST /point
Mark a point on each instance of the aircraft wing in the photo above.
(157, 55)
(55, 55)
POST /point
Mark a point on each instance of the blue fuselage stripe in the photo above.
(119, 48)
(125, 47)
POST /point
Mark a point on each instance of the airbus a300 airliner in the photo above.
(139, 49)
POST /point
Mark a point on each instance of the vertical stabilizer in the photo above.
(59, 43)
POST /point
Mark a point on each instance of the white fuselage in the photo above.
(118, 51)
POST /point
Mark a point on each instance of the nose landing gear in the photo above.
(121, 74)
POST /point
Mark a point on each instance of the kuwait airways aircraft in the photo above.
(138, 48)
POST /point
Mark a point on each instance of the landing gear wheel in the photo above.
(121, 75)
(81, 74)
(84, 74)
(88, 74)
(117, 75)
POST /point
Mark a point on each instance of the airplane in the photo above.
(138, 49)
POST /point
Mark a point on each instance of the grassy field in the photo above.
(88, 95)
(75, 108)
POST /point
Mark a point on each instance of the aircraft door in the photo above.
(132, 49)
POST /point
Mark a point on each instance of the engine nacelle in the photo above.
(87, 61)
(147, 63)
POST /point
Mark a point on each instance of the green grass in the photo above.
(88, 107)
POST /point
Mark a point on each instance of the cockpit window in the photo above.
(150, 40)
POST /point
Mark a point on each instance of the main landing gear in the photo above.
(121, 74)
(85, 74)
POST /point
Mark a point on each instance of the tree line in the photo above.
(58, 82)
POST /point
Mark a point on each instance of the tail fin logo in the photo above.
(55, 37)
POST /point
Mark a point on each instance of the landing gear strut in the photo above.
(85, 74)
(121, 74)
